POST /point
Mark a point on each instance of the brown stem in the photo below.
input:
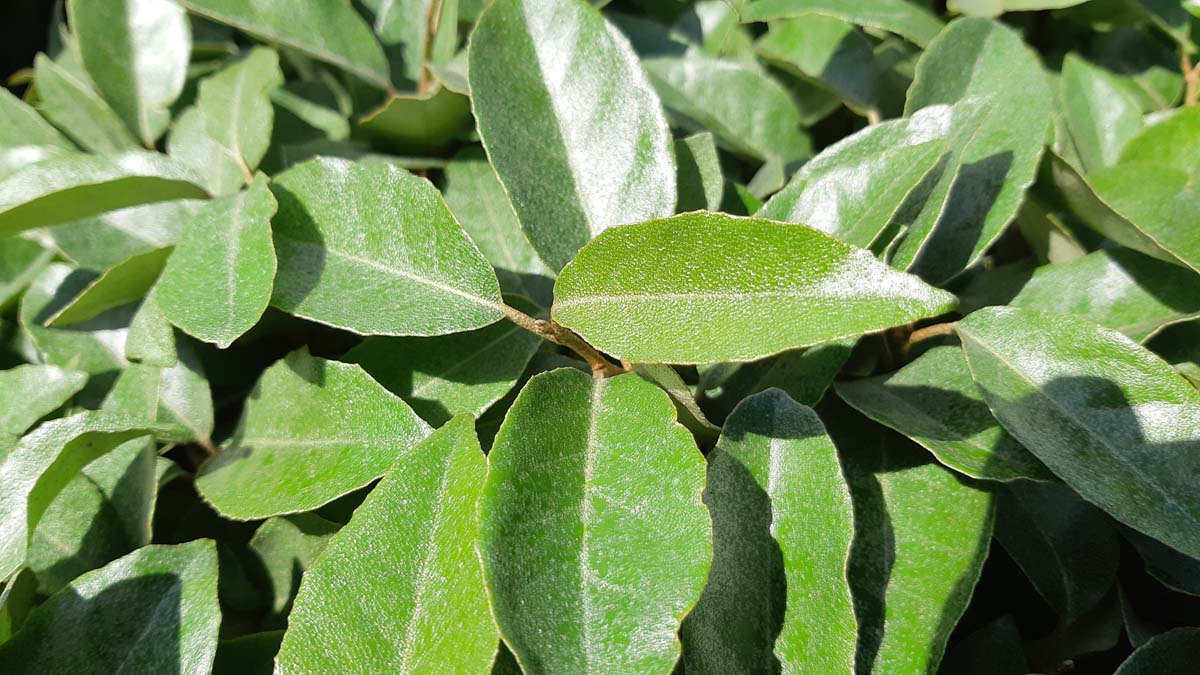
(559, 335)
(927, 332)
(1191, 78)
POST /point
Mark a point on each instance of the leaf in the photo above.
(287, 547)
(1171, 568)
(1117, 288)
(803, 374)
(20, 261)
(100, 242)
(933, 401)
(449, 375)
(1100, 115)
(583, 576)
(21, 125)
(701, 184)
(225, 134)
(154, 610)
(94, 347)
(217, 283)
(992, 8)
(296, 417)
(418, 123)
(121, 284)
(42, 464)
(906, 19)
(477, 197)
(1108, 417)
(1067, 547)
(341, 248)
(1173, 650)
(252, 654)
(684, 290)
(994, 649)
(177, 394)
(827, 51)
(687, 410)
(327, 31)
(1001, 114)
(556, 76)
(773, 481)
(404, 29)
(74, 106)
(102, 514)
(1174, 141)
(136, 52)
(419, 524)
(29, 393)
(746, 110)
(1160, 202)
(855, 188)
(62, 189)
(151, 339)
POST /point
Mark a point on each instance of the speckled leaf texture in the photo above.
(1113, 420)
(679, 290)
(153, 611)
(218, 281)
(576, 133)
(399, 588)
(594, 539)
(777, 598)
(296, 418)
(348, 234)
(22, 125)
(71, 103)
(1101, 117)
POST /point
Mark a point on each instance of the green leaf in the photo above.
(702, 287)
(327, 31)
(556, 76)
(934, 401)
(21, 125)
(296, 417)
(1174, 141)
(252, 654)
(102, 514)
(151, 339)
(701, 183)
(136, 52)
(992, 8)
(177, 394)
(1160, 202)
(583, 575)
(803, 374)
(1117, 288)
(29, 393)
(62, 189)
(403, 29)
(1067, 547)
(773, 481)
(103, 241)
(125, 282)
(94, 347)
(218, 281)
(287, 547)
(421, 123)
(906, 19)
(225, 134)
(1111, 419)
(20, 261)
(1101, 117)
(686, 408)
(342, 246)
(1173, 569)
(449, 375)
(419, 525)
(997, 120)
(827, 51)
(478, 200)
(74, 105)
(153, 611)
(855, 188)
(746, 110)
(1173, 651)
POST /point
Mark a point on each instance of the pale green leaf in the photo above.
(151, 339)
(94, 347)
(287, 547)
(402, 28)
(125, 282)
(1101, 117)
(1160, 203)
(993, 8)
(553, 76)
(29, 393)
(906, 19)
(177, 394)
(73, 105)
(686, 408)
(103, 241)
(423, 123)
(20, 261)
(348, 234)
(21, 125)
(1114, 421)
(828, 51)
(419, 525)
(699, 178)
(296, 418)
(584, 577)
(1174, 141)
(704, 287)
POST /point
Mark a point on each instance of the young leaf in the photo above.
(218, 281)
(296, 417)
(21, 125)
(584, 577)
(287, 547)
(1110, 418)
(419, 525)
(995, 143)
(327, 31)
(74, 106)
(1160, 203)
(225, 135)
(1173, 651)
(136, 52)
(1101, 117)
(155, 610)
(773, 481)
(906, 19)
(934, 402)
(348, 234)
(688, 289)
(70, 187)
(29, 393)
(554, 75)
(122, 284)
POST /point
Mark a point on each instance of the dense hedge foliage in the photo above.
(654, 337)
